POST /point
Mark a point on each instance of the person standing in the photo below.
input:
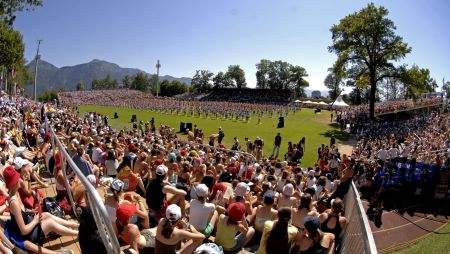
(221, 135)
(276, 146)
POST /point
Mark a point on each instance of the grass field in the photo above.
(434, 243)
(316, 128)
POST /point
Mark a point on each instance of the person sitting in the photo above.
(169, 236)
(314, 240)
(157, 191)
(32, 228)
(129, 233)
(262, 214)
(229, 226)
(202, 215)
(332, 220)
(278, 236)
(304, 209)
(286, 199)
(130, 179)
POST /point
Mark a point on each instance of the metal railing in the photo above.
(101, 217)
(357, 237)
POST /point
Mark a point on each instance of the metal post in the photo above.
(157, 77)
(35, 69)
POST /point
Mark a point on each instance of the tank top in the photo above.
(155, 196)
(162, 248)
(317, 248)
(337, 228)
(225, 235)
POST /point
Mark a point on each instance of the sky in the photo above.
(189, 35)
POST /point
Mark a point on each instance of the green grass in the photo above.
(315, 127)
(434, 244)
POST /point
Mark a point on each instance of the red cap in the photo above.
(183, 152)
(236, 212)
(131, 147)
(11, 177)
(48, 135)
(124, 212)
(158, 162)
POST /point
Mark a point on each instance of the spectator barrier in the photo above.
(101, 217)
(357, 237)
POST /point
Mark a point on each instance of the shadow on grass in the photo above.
(338, 134)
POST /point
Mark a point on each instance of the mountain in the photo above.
(51, 77)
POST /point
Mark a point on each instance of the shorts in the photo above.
(149, 238)
(37, 235)
(240, 240)
(208, 230)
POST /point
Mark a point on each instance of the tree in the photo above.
(49, 95)
(9, 8)
(262, 73)
(297, 83)
(334, 83)
(80, 85)
(173, 88)
(367, 38)
(126, 81)
(201, 80)
(417, 81)
(236, 75)
(107, 83)
(11, 48)
(140, 82)
(222, 80)
(316, 94)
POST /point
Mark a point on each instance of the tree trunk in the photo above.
(373, 90)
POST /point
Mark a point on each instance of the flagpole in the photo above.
(36, 69)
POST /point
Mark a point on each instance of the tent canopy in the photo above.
(323, 103)
(339, 102)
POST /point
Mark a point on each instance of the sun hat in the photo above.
(202, 190)
(236, 212)
(124, 212)
(172, 157)
(117, 185)
(161, 170)
(19, 162)
(288, 190)
(173, 213)
(241, 190)
(92, 179)
(11, 177)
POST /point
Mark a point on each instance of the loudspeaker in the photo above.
(182, 127)
(133, 118)
(116, 115)
(189, 126)
(280, 122)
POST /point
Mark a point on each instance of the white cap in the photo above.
(311, 173)
(173, 213)
(202, 190)
(19, 162)
(255, 165)
(288, 190)
(161, 170)
(233, 160)
(117, 185)
(241, 190)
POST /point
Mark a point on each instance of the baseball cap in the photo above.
(241, 189)
(312, 224)
(236, 212)
(117, 185)
(124, 212)
(269, 197)
(19, 162)
(202, 190)
(288, 190)
(172, 157)
(161, 170)
(158, 162)
(11, 177)
(92, 179)
(173, 213)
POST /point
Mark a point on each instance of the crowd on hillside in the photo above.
(259, 96)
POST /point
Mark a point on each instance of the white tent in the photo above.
(307, 102)
(297, 101)
(323, 103)
(339, 102)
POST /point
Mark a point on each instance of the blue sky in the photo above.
(187, 35)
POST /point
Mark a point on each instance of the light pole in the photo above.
(157, 77)
(35, 69)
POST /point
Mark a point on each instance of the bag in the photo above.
(51, 206)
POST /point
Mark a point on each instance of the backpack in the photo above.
(50, 205)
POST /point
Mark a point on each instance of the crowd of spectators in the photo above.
(247, 95)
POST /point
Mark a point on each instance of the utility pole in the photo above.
(36, 68)
(157, 77)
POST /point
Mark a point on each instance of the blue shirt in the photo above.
(83, 165)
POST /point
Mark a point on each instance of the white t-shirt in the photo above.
(393, 152)
(382, 154)
(199, 214)
(96, 153)
(111, 166)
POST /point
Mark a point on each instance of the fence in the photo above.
(357, 237)
(101, 217)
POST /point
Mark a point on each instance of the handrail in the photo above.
(99, 212)
(363, 216)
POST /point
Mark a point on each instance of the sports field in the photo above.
(316, 128)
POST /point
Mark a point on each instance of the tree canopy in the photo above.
(334, 83)
(366, 44)
(11, 48)
(9, 8)
(172, 88)
(107, 83)
(201, 80)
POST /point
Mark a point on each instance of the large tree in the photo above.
(11, 48)
(237, 75)
(416, 81)
(222, 80)
(140, 82)
(367, 38)
(9, 8)
(201, 80)
(334, 83)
